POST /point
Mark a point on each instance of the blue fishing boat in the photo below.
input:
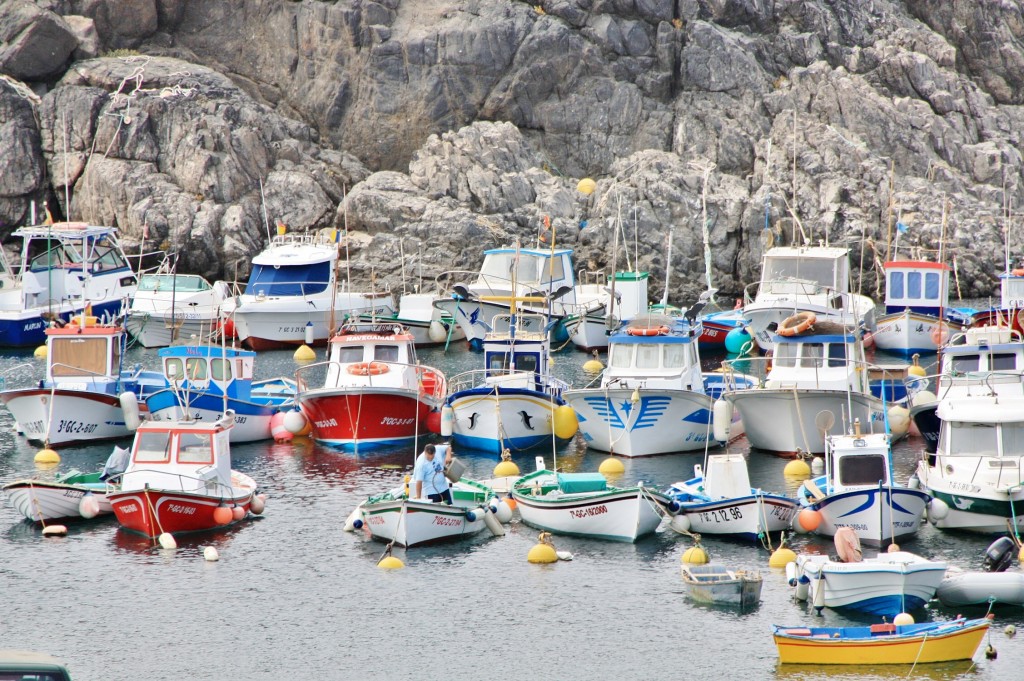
(207, 380)
(62, 268)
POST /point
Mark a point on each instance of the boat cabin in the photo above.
(818, 361)
(988, 355)
(293, 265)
(536, 272)
(377, 354)
(803, 270)
(208, 368)
(188, 456)
(991, 427)
(1011, 288)
(916, 285)
(655, 352)
(857, 461)
(84, 356)
(516, 351)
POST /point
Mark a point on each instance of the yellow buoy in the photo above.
(586, 186)
(781, 557)
(390, 563)
(591, 366)
(903, 618)
(542, 553)
(797, 468)
(47, 456)
(611, 466)
(566, 423)
(506, 469)
(304, 354)
(40, 352)
(695, 555)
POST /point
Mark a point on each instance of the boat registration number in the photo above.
(589, 511)
(326, 423)
(291, 329)
(447, 522)
(76, 427)
(782, 512)
(183, 510)
(721, 515)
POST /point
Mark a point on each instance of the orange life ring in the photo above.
(1019, 272)
(647, 330)
(368, 369)
(798, 323)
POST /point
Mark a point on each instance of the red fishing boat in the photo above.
(179, 479)
(375, 394)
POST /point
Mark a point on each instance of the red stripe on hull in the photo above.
(351, 417)
(175, 511)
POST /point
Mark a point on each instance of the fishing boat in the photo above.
(722, 501)
(79, 401)
(805, 279)
(514, 402)
(63, 268)
(207, 380)
(918, 317)
(623, 296)
(73, 494)
(396, 517)
(885, 585)
(294, 295)
(653, 398)
(975, 474)
(858, 491)
(170, 307)
(885, 643)
(179, 479)
(542, 281)
(983, 360)
(718, 584)
(416, 312)
(988, 586)
(374, 393)
(585, 505)
(1011, 302)
(816, 367)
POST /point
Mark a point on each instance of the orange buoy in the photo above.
(278, 430)
(222, 515)
(796, 324)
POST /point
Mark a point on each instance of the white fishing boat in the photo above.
(623, 296)
(63, 268)
(858, 491)
(585, 505)
(797, 279)
(294, 295)
(73, 494)
(817, 367)
(886, 585)
(653, 397)
(917, 318)
(718, 584)
(515, 402)
(396, 517)
(723, 502)
(79, 400)
(170, 307)
(975, 474)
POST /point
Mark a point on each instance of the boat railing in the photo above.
(506, 378)
(426, 379)
(457, 282)
(759, 367)
(791, 285)
(946, 381)
(205, 482)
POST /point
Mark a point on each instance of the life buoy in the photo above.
(796, 324)
(647, 330)
(368, 369)
(1019, 272)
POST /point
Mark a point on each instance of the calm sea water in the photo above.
(293, 596)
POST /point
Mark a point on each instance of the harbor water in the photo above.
(294, 596)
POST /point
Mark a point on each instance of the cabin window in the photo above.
(837, 354)
(822, 272)
(498, 269)
(973, 439)
(240, 369)
(195, 368)
(862, 470)
(153, 447)
(1004, 361)
(963, 364)
(1013, 439)
(350, 354)
(115, 354)
(289, 280)
(812, 355)
(78, 356)
(174, 369)
(386, 353)
(914, 285)
(621, 356)
(498, 362)
(220, 369)
(195, 448)
(896, 285)
(785, 355)
(675, 355)
(648, 356)
(932, 285)
(45, 254)
(104, 256)
(552, 270)
(527, 362)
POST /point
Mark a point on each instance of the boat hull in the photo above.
(908, 332)
(151, 512)
(410, 522)
(155, 330)
(887, 585)
(974, 505)
(281, 322)
(252, 421)
(475, 317)
(874, 514)
(744, 517)
(27, 328)
(663, 421)
(40, 500)
(365, 418)
(620, 515)
(77, 415)
(739, 588)
(494, 419)
(981, 588)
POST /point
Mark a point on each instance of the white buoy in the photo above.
(503, 512)
(167, 541)
(491, 521)
(350, 522)
(817, 465)
(563, 555)
(55, 531)
(722, 419)
(294, 421)
(791, 575)
(436, 332)
(309, 333)
(88, 506)
(681, 523)
(130, 406)
(937, 510)
(447, 420)
(210, 553)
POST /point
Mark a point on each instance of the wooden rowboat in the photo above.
(881, 643)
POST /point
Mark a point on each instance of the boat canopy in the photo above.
(536, 268)
(186, 283)
(289, 280)
(827, 267)
(920, 286)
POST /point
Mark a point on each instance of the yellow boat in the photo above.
(881, 643)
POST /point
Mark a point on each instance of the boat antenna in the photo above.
(668, 268)
(401, 252)
(636, 239)
(263, 205)
(609, 318)
(888, 219)
(67, 189)
(792, 208)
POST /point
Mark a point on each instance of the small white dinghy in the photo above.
(991, 584)
(718, 584)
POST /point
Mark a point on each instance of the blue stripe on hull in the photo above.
(31, 331)
(887, 605)
(493, 446)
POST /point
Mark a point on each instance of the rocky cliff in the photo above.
(432, 129)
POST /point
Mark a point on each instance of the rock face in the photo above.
(434, 129)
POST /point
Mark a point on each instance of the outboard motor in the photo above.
(999, 555)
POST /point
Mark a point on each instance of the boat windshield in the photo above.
(973, 439)
(386, 353)
(501, 267)
(185, 283)
(153, 447)
(810, 355)
(195, 448)
(289, 280)
(863, 470)
(822, 272)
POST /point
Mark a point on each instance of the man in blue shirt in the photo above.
(429, 475)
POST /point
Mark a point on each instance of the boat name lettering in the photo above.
(447, 522)
(33, 426)
(326, 423)
(963, 486)
(76, 427)
(589, 511)
(129, 508)
(291, 329)
(375, 520)
(697, 437)
(184, 510)
(782, 512)
(721, 515)
(855, 526)
(392, 421)
(33, 326)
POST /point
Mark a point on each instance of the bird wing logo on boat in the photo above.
(649, 411)
(869, 501)
(605, 410)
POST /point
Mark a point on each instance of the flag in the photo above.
(901, 228)
(49, 218)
